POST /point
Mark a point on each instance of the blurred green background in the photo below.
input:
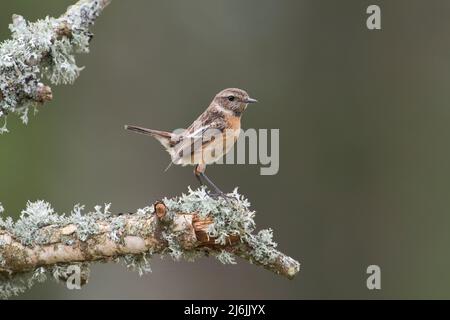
(364, 126)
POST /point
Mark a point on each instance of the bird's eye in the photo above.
(230, 98)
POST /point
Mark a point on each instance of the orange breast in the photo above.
(233, 131)
(234, 122)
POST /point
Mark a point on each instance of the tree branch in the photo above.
(44, 47)
(193, 225)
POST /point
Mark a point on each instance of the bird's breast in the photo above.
(233, 123)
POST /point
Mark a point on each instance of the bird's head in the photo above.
(233, 99)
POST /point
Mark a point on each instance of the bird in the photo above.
(208, 138)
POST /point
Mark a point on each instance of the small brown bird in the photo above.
(209, 137)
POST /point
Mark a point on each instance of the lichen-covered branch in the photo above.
(43, 48)
(42, 243)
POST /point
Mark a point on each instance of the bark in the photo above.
(191, 235)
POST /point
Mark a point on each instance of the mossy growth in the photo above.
(231, 217)
(42, 49)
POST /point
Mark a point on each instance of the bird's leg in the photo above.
(199, 173)
(216, 188)
(200, 180)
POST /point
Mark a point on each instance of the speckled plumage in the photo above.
(209, 137)
(214, 131)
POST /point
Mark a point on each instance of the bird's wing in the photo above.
(198, 136)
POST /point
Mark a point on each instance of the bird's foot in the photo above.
(216, 194)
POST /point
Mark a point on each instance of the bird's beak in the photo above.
(251, 100)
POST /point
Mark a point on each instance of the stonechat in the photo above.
(209, 137)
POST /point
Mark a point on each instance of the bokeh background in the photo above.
(364, 126)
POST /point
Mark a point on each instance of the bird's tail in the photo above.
(149, 132)
(164, 137)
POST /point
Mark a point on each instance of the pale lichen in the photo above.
(19, 283)
(226, 257)
(87, 224)
(35, 216)
(46, 48)
(118, 225)
(13, 286)
(230, 217)
(173, 246)
(262, 246)
(139, 263)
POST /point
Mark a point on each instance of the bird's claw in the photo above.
(219, 194)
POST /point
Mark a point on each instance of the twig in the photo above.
(44, 47)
